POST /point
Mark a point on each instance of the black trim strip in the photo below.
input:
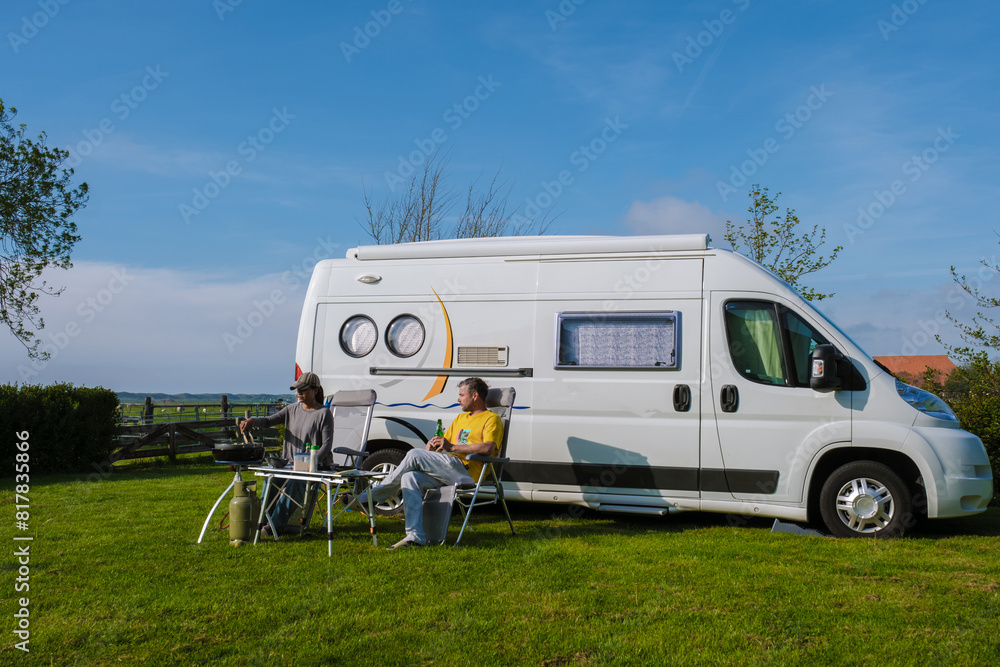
(753, 481)
(663, 478)
(714, 480)
(465, 371)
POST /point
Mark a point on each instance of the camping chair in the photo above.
(352, 418)
(500, 401)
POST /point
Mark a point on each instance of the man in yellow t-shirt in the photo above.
(475, 431)
(442, 462)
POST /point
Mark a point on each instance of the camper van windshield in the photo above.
(833, 324)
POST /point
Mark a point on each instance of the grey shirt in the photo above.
(304, 426)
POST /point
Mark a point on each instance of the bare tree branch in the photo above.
(422, 212)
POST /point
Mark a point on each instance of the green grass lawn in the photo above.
(117, 578)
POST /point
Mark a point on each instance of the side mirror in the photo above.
(825, 368)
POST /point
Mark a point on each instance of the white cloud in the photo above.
(671, 215)
(139, 329)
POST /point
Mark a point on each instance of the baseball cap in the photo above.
(307, 380)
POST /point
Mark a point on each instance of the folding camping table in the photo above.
(332, 480)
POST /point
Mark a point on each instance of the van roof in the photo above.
(530, 245)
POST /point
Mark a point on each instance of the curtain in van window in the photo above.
(754, 342)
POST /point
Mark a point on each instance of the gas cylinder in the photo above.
(244, 509)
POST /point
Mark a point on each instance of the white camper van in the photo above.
(654, 374)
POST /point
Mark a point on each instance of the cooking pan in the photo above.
(238, 452)
(232, 452)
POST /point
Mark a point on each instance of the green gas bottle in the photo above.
(244, 509)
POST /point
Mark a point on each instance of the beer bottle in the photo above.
(439, 432)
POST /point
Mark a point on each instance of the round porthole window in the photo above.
(405, 336)
(358, 336)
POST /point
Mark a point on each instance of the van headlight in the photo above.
(925, 401)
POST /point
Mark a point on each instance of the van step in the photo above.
(637, 509)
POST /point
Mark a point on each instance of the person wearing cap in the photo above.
(306, 422)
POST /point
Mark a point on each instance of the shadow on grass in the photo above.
(986, 524)
(570, 521)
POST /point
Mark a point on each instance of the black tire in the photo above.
(863, 498)
(386, 460)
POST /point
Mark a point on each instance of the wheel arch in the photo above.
(900, 463)
(387, 432)
(387, 443)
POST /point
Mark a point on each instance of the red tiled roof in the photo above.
(914, 366)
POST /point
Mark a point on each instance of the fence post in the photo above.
(147, 411)
(225, 406)
(172, 443)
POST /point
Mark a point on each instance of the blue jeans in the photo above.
(420, 470)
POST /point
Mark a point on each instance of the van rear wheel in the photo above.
(863, 498)
(386, 460)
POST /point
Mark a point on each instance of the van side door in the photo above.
(769, 422)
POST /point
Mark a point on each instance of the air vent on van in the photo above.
(482, 356)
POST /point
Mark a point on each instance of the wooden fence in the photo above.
(169, 429)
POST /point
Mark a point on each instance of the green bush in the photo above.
(68, 427)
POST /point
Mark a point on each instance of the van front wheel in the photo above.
(862, 498)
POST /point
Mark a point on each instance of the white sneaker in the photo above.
(405, 542)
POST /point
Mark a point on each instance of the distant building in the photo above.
(911, 369)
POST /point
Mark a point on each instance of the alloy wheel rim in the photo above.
(865, 505)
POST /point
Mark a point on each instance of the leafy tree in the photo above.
(983, 331)
(423, 212)
(773, 242)
(973, 390)
(36, 203)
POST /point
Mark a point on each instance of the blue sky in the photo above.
(228, 145)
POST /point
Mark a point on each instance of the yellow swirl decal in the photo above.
(439, 383)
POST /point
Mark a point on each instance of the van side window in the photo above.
(617, 340)
(802, 340)
(769, 343)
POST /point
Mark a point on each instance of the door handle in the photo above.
(730, 398)
(682, 398)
